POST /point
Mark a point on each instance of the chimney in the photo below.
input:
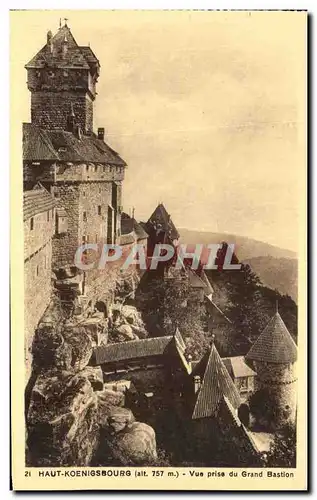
(49, 42)
(101, 133)
(197, 383)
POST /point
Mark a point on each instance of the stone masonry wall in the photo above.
(281, 383)
(65, 245)
(37, 294)
(37, 275)
(51, 109)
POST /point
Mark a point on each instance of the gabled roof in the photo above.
(237, 367)
(160, 220)
(131, 230)
(41, 144)
(134, 349)
(275, 344)
(208, 288)
(216, 384)
(194, 280)
(75, 57)
(36, 201)
(212, 307)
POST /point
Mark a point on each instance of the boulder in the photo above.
(118, 418)
(62, 420)
(47, 339)
(106, 401)
(94, 375)
(81, 346)
(96, 328)
(135, 445)
(123, 332)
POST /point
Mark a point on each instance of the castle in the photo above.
(72, 178)
(73, 195)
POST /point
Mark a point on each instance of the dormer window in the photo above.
(51, 74)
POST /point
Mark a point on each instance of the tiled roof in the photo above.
(133, 349)
(211, 306)
(216, 384)
(40, 144)
(161, 220)
(36, 201)
(205, 279)
(194, 280)
(75, 57)
(237, 367)
(275, 344)
(131, 228)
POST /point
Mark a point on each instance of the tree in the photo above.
(282, 451)
(167, 303)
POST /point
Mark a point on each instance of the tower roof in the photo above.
(41, 144)
(216, 385)
(160, 219)
(275, 344)
(52, 53)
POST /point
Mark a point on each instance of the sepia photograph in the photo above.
(160, 189)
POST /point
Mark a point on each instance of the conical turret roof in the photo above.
(275, 344)
(160, 219)
(216, 385)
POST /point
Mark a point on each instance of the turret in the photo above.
(274, 356)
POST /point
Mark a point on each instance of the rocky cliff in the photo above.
(72, 418)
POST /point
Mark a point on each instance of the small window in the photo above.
(99, 209)
(104, 168)
(56, 194)
(84, 240)
(37, 270)
(32, 224)
(48, 216)
(84, 194)
(87, 168)
(96, 168)
(85, 216)
(51, 74)
(96, 238)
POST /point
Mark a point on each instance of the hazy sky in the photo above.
(207, 109)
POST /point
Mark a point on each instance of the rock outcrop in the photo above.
(62, 420)
(135, 444)
(73, 417)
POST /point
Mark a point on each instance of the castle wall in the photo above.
(280, 381)
(66, 243)
(37, 275)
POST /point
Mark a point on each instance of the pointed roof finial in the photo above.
(276, 305)
(212, 340)
(66, 19)
(60, 23)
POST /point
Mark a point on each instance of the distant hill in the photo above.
(276, 267)
(276, 273)
(245, 248)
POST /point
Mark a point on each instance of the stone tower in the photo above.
(274, 355)
(76, 165)
(62, 76)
